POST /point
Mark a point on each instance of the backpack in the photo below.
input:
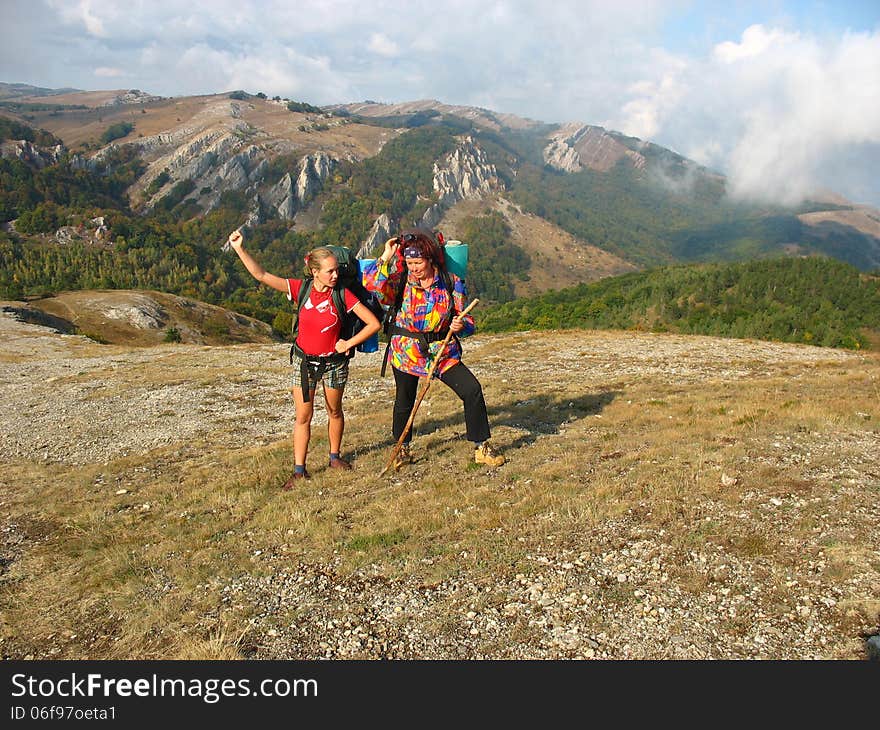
(349, 278)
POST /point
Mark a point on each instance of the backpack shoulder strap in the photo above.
(394, 307)
(305, 289)
(450, 288)
(391, 316)
(450, 284)
(338, 296)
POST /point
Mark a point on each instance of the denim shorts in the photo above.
(335, 375)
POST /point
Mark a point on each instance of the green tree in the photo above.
(116, 131)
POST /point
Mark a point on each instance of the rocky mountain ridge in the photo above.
(217, 144)
(574, 147)
(16, 91)
(480, 116)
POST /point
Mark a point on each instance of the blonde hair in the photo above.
(315, 258)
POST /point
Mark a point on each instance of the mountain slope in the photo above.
(544, 242)
(180, 172)
(810, 300)
(140, 318)
(10, 92)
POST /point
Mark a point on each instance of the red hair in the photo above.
(427, 245)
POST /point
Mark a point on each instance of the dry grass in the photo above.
(191, 115)
(771, 469)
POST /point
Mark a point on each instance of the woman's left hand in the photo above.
(342, 346)
(235, 240)
(457, 325)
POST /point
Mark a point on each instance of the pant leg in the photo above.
(404, 400)
(466, 386)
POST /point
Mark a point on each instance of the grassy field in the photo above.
(664, 497)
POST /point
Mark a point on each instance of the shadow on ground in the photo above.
(533, 417)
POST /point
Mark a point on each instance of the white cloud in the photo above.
(275, 70)
(641, 117)
(706, 153)
(106, 72)
(771, 111)
(755, 41)
(772, 106)
(81, 12)
(383, 45)
(93, 23)
(801, 103)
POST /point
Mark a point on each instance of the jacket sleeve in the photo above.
(382, 278)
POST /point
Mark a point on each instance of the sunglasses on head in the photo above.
(407, 238)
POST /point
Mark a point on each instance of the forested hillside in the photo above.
(178, 250)
(811, 300)
(70, 225)
(671, 211)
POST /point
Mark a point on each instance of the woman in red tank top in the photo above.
(319, 344)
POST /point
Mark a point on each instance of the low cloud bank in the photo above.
(776, 111)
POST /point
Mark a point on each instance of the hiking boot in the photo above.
(404, 456)
(289, 484)
(337, 463)
(485, 454)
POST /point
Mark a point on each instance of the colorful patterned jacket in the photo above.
(421, 310)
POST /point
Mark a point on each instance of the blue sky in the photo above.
(691, 26)
(783, 97)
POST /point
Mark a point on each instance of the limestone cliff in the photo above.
(464, 174)
(218, 161)
(30, 153)
(288, 196)
(574, 147)
(381, 231)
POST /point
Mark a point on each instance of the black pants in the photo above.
(465, 386)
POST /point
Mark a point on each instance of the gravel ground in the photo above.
(616, 591)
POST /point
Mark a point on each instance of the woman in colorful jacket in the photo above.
(411, 276)
(318, 343)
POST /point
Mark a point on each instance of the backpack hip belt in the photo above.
(424, 339)
(319, 362)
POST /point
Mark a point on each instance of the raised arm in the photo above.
(382, 275)
(236, 240)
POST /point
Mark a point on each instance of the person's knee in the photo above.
(471, 391)
(404, 402)
(334, 412)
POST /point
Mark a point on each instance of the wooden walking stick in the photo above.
(429, 377)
